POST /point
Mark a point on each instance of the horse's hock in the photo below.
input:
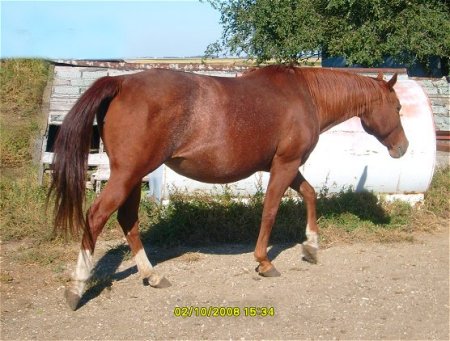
(345, 157)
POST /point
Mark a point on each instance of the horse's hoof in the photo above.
(271, 272)
(156, 281)
(72, 299)
(309, 254)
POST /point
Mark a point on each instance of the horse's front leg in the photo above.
(311, 245)
(281, 175)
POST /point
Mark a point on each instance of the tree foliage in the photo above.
(363, 31)
(282, 30)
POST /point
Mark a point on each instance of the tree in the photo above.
(363, 31)
(286, 31)
(367, 31)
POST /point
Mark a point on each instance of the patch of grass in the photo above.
(437, 198)
(22, 200)
(199, 219)
(25, 213)
(22, 82)
(363, 205)
(40, 256)
(435, 211)
(23, 208)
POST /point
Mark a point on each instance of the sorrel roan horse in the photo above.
(210, 129)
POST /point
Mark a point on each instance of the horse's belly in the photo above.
(213, 172)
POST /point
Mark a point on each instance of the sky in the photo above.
(107, 29)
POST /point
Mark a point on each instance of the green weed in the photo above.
(22, 82)
(23, 208)
(203, 219)
(437, 198)
(36, 255)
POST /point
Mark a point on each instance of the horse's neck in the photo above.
(330, 118)
(338, 97)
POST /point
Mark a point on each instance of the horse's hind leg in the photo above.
(311, 245)
(115, 193)
(128, 220)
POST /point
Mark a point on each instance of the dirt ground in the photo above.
(358, 291)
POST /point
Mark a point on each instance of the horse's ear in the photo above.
(392, 81)
(380, 75)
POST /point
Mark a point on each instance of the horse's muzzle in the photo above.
(399, 150)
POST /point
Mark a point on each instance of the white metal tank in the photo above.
(347, 157)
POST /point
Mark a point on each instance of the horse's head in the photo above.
(383, 120)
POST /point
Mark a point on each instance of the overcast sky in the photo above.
(107, 29)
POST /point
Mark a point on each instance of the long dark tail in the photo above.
(71, 154)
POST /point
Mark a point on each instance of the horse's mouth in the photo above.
(399, 150)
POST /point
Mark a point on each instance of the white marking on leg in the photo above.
(143, 264)
(146, 271)
(82, 272)
(312, 238)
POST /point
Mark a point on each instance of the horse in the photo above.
(211, 129)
